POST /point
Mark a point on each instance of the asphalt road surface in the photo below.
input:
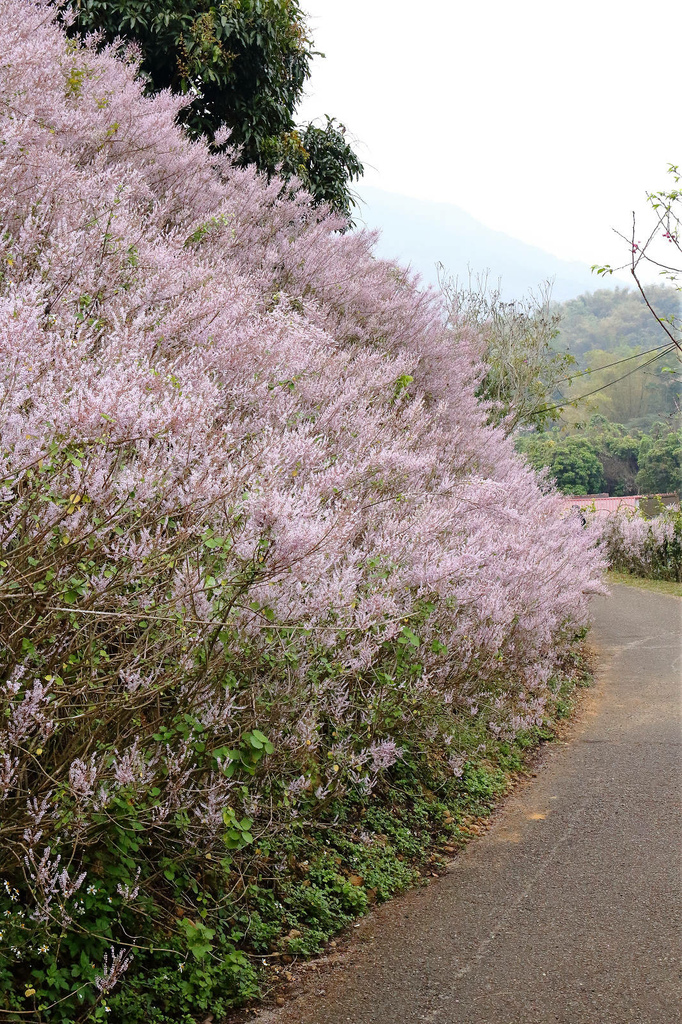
(568, 910)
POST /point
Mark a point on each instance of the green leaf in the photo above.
(408, 637)
(198, 937)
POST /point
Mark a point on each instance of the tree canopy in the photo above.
(242, 64)
(661, 464)
(604, 456)
(523, 366)
(572, 461)
(607, 319)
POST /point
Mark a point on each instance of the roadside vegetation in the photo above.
(280, 605)
(640, 546)
(293, 890)
(605, 457)
(283, 611)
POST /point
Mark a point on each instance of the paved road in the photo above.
(568, 910)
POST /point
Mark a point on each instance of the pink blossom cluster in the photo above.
(645, 547)
(244, 476)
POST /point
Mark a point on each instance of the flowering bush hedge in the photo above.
(645, 547)
(256, 537)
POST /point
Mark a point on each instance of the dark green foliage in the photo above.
(660, 464)
(576, 466)
(330, 162)
(572, 461)
(242, 65)
(608, 457)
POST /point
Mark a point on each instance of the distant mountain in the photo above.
(423, 234)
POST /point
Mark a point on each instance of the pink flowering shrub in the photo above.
(645, 547)
(255, 534)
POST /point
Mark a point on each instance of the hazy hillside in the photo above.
(423, 234)
(609, 319)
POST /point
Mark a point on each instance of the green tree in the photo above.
(631, 461)
(243, 64)
(618, 456)
(523, 366)
(572, 461)
(660, 463)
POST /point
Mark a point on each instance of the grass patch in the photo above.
(657, 586)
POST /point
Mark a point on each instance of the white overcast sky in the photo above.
(546, 121)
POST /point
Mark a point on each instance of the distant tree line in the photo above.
(607, 457)
(610, 318)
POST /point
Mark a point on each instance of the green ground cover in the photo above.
(296, 891)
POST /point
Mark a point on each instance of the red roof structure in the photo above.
(604, 505)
